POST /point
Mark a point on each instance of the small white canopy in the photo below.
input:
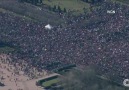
(111, 11)
(48, 26)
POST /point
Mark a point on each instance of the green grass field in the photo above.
(18, 15)
(30, 11)
(72, 5)
(50, 82)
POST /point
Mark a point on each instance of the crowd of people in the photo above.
(21, 68)
(96, 38)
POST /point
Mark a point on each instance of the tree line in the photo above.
(88, 80)
(92, 1)
(54, 8)
(57, 9)
(35, 2)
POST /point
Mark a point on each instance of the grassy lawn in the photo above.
(50, 82)
(72, 5)
(30, 11)
(18, 15)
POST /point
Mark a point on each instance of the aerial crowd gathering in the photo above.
(96, 38)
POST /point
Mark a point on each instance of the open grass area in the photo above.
(18, 15)
(50, 82)
(30, 11)
(72, 5)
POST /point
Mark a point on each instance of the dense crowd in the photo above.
(21, 68)
(96, 38)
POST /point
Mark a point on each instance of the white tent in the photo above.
(111, 11)
(48, 26)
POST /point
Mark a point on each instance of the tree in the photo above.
(92, 1)
(54, 8)
(40, 1)
(87, 80)
(64, 10)
(59, 9)
(50, 8)
(35, 2)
